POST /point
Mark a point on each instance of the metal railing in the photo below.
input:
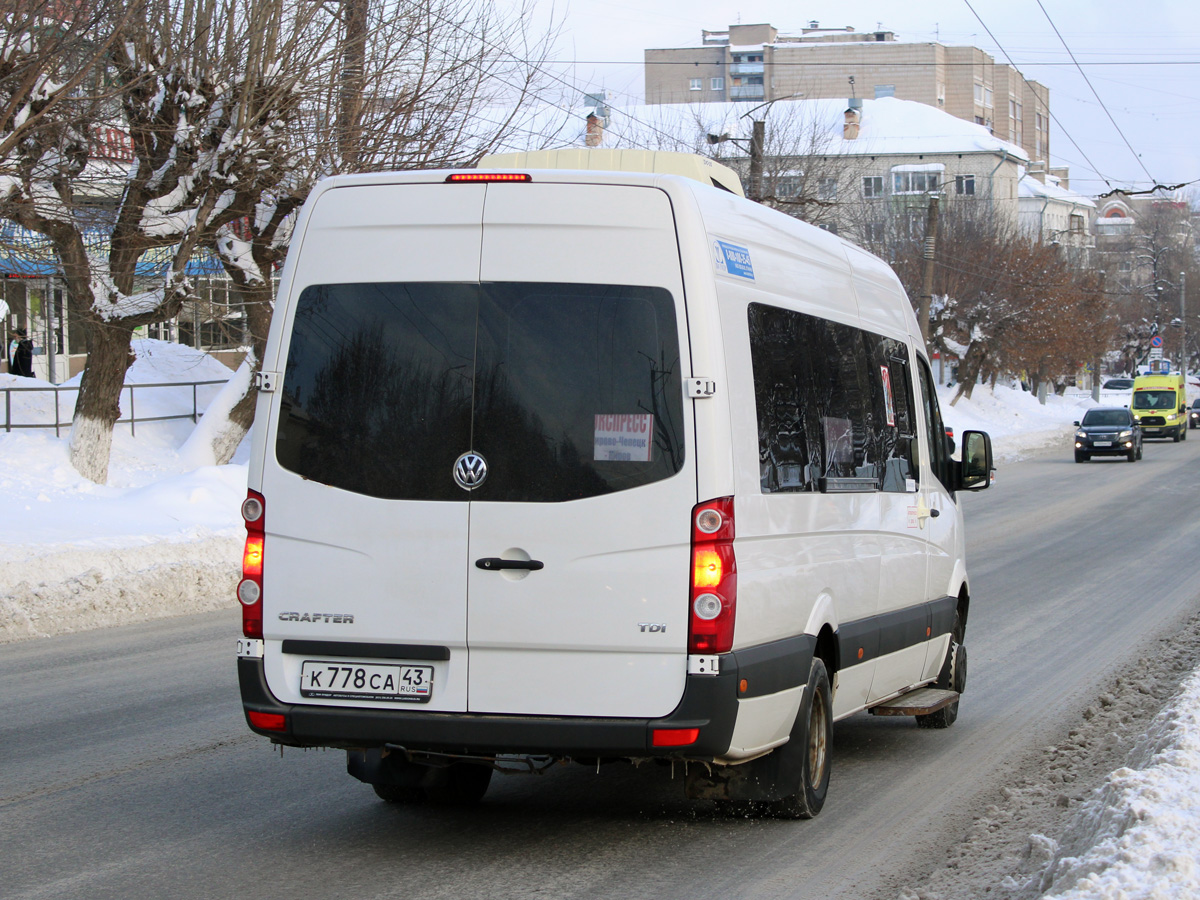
(131, 420)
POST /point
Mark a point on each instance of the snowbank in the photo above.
(162, 538)
(1137, 838)
(1018, 423)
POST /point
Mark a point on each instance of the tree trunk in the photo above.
(99, 404)
(228, 435)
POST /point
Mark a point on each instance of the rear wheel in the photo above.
(811, 741)
(1139, 450)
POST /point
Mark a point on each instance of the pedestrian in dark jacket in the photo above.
(20, 354)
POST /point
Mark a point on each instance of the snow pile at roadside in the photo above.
(1018, 423)
(161, 538)
(1137, 837)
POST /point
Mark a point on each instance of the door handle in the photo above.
(495, 563)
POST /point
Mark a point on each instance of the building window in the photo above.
(873, 232)
(987, 97)
(717, 84)
(979, 93)
(884, 90)
(827, 189)
(1077, 226)
(872, 186)
(696, 84)
(964, 184)
(788, 186)
(914, 182)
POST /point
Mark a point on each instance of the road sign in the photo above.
(1156, 341)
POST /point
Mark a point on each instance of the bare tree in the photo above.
(1016, 304)
(175, 69)
(404, 83)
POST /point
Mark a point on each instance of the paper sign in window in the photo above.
(624, 438)
(888, 402)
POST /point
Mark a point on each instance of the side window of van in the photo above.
(829, 418)
(936, 431)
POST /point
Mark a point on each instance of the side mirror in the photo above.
(975, 470)
(1076, 424)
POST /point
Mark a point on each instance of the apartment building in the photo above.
(757, 62)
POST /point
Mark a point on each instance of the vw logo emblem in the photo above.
(470, 470)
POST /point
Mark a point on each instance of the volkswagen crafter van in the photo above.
(594, 466)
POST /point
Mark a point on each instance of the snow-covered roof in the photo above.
(1032, 187)
(888, 126)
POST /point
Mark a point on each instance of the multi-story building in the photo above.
(756, 62)
(1049, 210)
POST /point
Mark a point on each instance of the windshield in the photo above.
(1154, 400)
(1106, 417)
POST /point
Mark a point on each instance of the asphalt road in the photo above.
(126, 770)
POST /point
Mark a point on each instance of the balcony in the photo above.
(746, 68)
(747, 92)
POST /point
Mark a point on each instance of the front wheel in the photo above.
(952, 677)
(1081, 457)
(812, 739)
(1175, 436)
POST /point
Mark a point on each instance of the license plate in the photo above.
(1102, 444)
(324, 680)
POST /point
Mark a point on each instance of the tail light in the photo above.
(714, 578)
(249, 591)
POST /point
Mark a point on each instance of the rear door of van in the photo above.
(484, 455)
(580, 417)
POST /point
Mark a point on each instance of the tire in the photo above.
(1182, 433)
(952, 677)
(458, 784)
(1175, 436)
(812, 737)
(1132, 455)
(1139, 450)
(1081, 457)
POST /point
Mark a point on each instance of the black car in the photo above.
(1108, 431)
(1194, 414)
(1118, 384)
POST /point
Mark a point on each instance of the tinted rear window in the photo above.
(568, 391)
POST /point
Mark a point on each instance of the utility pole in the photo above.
(926, 300)
(757, 142)
(1183, 326)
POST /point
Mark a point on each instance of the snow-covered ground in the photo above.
(164, 537)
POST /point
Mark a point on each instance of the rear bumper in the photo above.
(709, 704)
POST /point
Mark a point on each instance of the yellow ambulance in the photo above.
(1160, 405)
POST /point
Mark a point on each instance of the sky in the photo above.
(1142, 61)
(76, 555)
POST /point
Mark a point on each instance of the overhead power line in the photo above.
(1053, 117)
(1095, 94)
